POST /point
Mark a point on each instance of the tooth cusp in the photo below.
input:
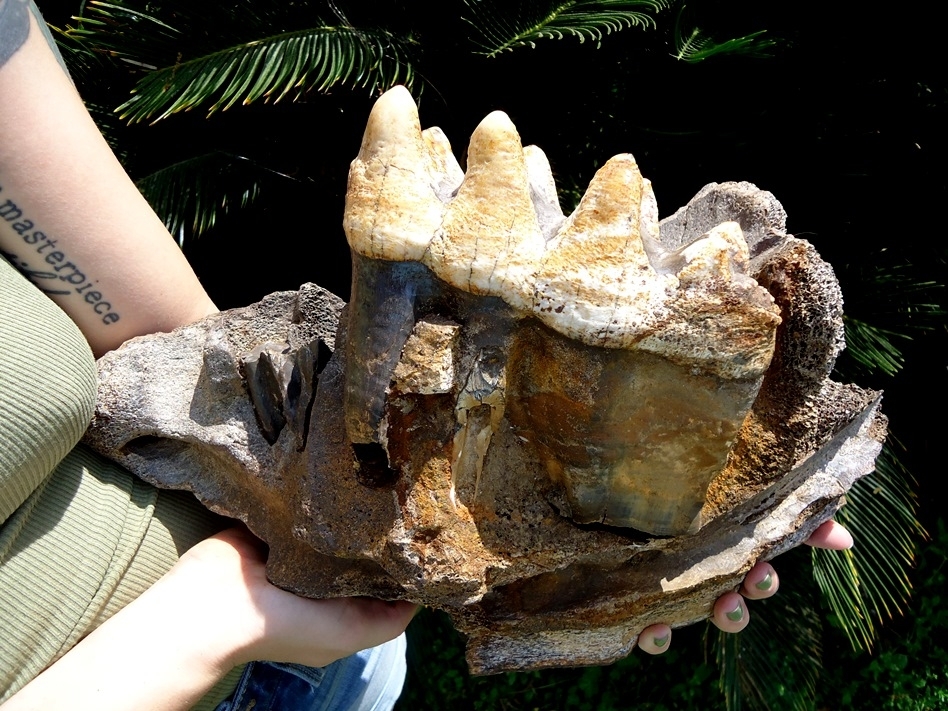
(490, 238)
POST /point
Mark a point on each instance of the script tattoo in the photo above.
(14, 27)
(47, 266)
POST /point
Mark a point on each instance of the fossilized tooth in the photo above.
(490, 241)
(629, 451)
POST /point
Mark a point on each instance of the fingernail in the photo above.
(737, 614)
(661, 641)
(765, 582)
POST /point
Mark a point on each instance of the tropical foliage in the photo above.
(234, 63)
(223, 100)
(503, 26)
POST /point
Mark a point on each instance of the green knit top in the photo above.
(80, 537)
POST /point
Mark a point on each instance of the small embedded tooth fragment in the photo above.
(490, 240)
(267, 371)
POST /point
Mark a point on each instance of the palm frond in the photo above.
(895, 304)
(872, 348)
(699, 46)
(192, 195)
(870, 582)
(696, 45)
(288, 61)
(118, 30)
(778, 656)
(503, 25)
(273, 68)
(80, 59)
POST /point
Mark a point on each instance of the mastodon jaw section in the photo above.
(599, 276)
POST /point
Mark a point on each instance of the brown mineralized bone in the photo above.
(505, 380)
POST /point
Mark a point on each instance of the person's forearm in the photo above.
(70, 217)
(139, 659)
(213, 611)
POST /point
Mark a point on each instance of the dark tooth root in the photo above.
(381, 316)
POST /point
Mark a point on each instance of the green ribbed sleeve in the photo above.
(80, 537)
(47, 387)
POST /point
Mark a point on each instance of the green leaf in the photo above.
(273, 68)
(886, 306)
(873, 348)
(281, 60)
(870, 582)
(192, 195)
(696, 46)
(503, 25)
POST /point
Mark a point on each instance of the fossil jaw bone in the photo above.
(427, 237)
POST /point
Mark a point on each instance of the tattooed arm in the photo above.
(70, 218)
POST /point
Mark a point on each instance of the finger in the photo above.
(655, 639)
(760, 582)
(832, 536)
(372, 622)
(730, 613)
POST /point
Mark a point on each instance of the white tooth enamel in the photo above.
(443, 163)
(546, 202)
(392, 206)
(596, 282)
(490, 241)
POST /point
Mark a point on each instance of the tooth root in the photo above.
(546, 202)
(596, 282)
(380, 319)
(490, 241)
(392, 209)
(444, 166)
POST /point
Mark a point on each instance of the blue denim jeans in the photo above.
(370, 680)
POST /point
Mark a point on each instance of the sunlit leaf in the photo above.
(870, 582)
(503, 25)
(285, 63)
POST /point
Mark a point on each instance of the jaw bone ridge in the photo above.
(613, 299)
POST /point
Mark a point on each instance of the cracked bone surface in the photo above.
(558, 429)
